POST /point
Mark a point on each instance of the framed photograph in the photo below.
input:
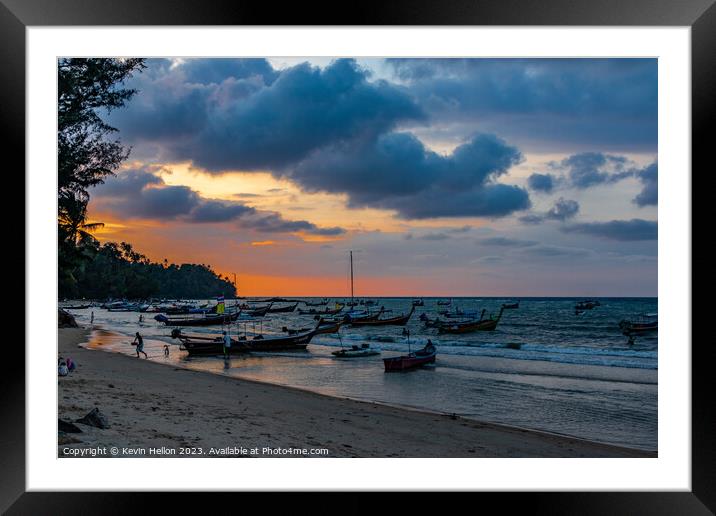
(288, 257)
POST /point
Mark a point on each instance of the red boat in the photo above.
(411, 360)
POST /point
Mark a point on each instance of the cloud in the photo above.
(649, 177)
(257, 118)
(621, 230)
(606, 102)
(563, 209)
(396, 171)
(552, 251)
(542, 182)
(506, 242)
(275, 223)
(141, 194)
(531, 219)
(589, 169)
(218, 211)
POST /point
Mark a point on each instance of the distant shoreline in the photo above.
(151, 405)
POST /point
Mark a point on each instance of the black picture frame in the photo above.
(17, 15)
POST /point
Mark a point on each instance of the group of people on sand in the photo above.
(65, 366)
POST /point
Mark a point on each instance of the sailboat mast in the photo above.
(351, 276)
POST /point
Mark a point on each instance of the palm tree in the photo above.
(73, 225)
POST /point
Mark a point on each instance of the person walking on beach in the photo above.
(92, 317)
(227, 344)
(139, 342)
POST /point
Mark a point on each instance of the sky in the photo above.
(446, 177)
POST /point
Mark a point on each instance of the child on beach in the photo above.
(166, 350)
(139, 342)
(62, 367)
(227, 344)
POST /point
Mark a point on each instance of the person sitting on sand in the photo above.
(139, 342)
(227, 344)
(62, 367)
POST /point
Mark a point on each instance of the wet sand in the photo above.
(154, 406)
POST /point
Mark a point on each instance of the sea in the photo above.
(544, 367)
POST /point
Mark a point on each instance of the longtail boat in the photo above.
(411, 360)
(259, 312)
(362, 315)
(284, 309)
(204, 320)
(643, 324)
(208, 345)
(323, 328)
(445, 303)
(511, 306)
(324, 302)
(201, 345)
(313, 311)
(480, 324)
(400, 320)
(587, 304)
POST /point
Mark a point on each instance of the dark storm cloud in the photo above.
(649, 177)
(142, 194)
(396, 171)
(621, 230)
(563, 209)
(255, 119)
(542, 182)
(592, 101)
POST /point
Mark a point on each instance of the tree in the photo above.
(86, 154)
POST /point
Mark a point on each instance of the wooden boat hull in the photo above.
(322, 329)
(356, 353)
(214, 346)
(407, 362)
(259, 312)
(324, 312)
(393, 321)
(284, 310)
(209, 320)
(629, 328)
(468, 327)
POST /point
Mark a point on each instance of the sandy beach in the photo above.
(151, 405)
